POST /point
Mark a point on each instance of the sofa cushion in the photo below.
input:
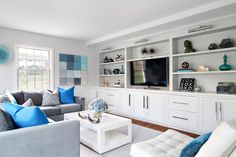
(28, 103)
(51, 110)
(67, 108)
(35, 96)
(19, 96)
(50, 98)
(4, 98)
(66, 95)
(5, 121)
(11, 97)
(222, 141)
(25, 116)
(168, 144)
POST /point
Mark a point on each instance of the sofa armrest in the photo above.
(80, 100)
(58, 139)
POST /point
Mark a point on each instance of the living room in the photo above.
(118, 78)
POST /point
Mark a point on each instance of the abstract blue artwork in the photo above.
(73, 70)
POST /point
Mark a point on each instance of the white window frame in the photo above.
(51, 64)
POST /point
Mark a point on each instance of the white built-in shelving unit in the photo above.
(173, 48)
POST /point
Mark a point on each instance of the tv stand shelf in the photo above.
(171, 46)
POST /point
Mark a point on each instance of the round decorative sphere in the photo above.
(185, 65)
(4, 55)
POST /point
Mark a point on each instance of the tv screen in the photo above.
(150, 72)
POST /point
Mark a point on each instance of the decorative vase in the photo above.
(225, 66)
(122, 70)
(97, 115)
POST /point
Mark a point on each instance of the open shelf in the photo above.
(148, 58)
(112, 75)
(207, 72)
(205, 52)
(111, 63)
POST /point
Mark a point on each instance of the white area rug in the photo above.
(139, 134)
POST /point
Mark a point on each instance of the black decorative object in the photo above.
(111, 60)
(188, 47)
(185, 65)
(226, 87)
(187, 84)
(81, 116)
(152, 51)
(226, 43)
(119, 58)
(144, 51)
(213, 46)
(116, 71)
(106, 60)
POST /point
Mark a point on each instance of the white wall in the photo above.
(9, 38)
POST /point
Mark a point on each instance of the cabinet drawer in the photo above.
(182, 103)
(179, 118)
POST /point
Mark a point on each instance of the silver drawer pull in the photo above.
(182, 103)
(110, 105)
(180, 118)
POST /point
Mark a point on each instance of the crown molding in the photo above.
(179, 16)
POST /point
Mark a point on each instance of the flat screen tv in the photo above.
(150, 73)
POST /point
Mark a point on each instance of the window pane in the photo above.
(34, 69)
(30, 79)
(38, 79)
(38, 54)
(30, 53)
(45, 54)
(46, 79)
(22, 52)
(22, 64)
(22, 79)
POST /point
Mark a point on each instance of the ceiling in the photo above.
(89, 19)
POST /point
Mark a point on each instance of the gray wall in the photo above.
(9, 38)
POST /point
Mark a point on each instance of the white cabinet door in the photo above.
(209, 113)
(227, 109)
(126, 104)
(156, 107)
(138, 101)
(112, 98)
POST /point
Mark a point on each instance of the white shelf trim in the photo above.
(147, 58)
(205, 52)
(110, 63)
(207, 72)
(112, 75)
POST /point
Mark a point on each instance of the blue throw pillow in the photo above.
(25, 116)
(66, 95)
(191, 149)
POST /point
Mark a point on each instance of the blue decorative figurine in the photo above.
(225, 66)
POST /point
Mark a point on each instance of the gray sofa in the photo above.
(54, 112)
(59, 139)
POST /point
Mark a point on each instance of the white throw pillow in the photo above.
(222, 141)
(28, 103)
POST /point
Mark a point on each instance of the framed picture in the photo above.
(187, 84)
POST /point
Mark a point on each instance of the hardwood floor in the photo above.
(159, 127)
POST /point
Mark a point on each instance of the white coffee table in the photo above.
(112, 131)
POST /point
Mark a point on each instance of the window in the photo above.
(34, 68)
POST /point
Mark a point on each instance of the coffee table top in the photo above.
(107, 121)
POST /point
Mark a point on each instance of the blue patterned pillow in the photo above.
(191, 149)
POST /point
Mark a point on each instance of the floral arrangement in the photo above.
(99, 106)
